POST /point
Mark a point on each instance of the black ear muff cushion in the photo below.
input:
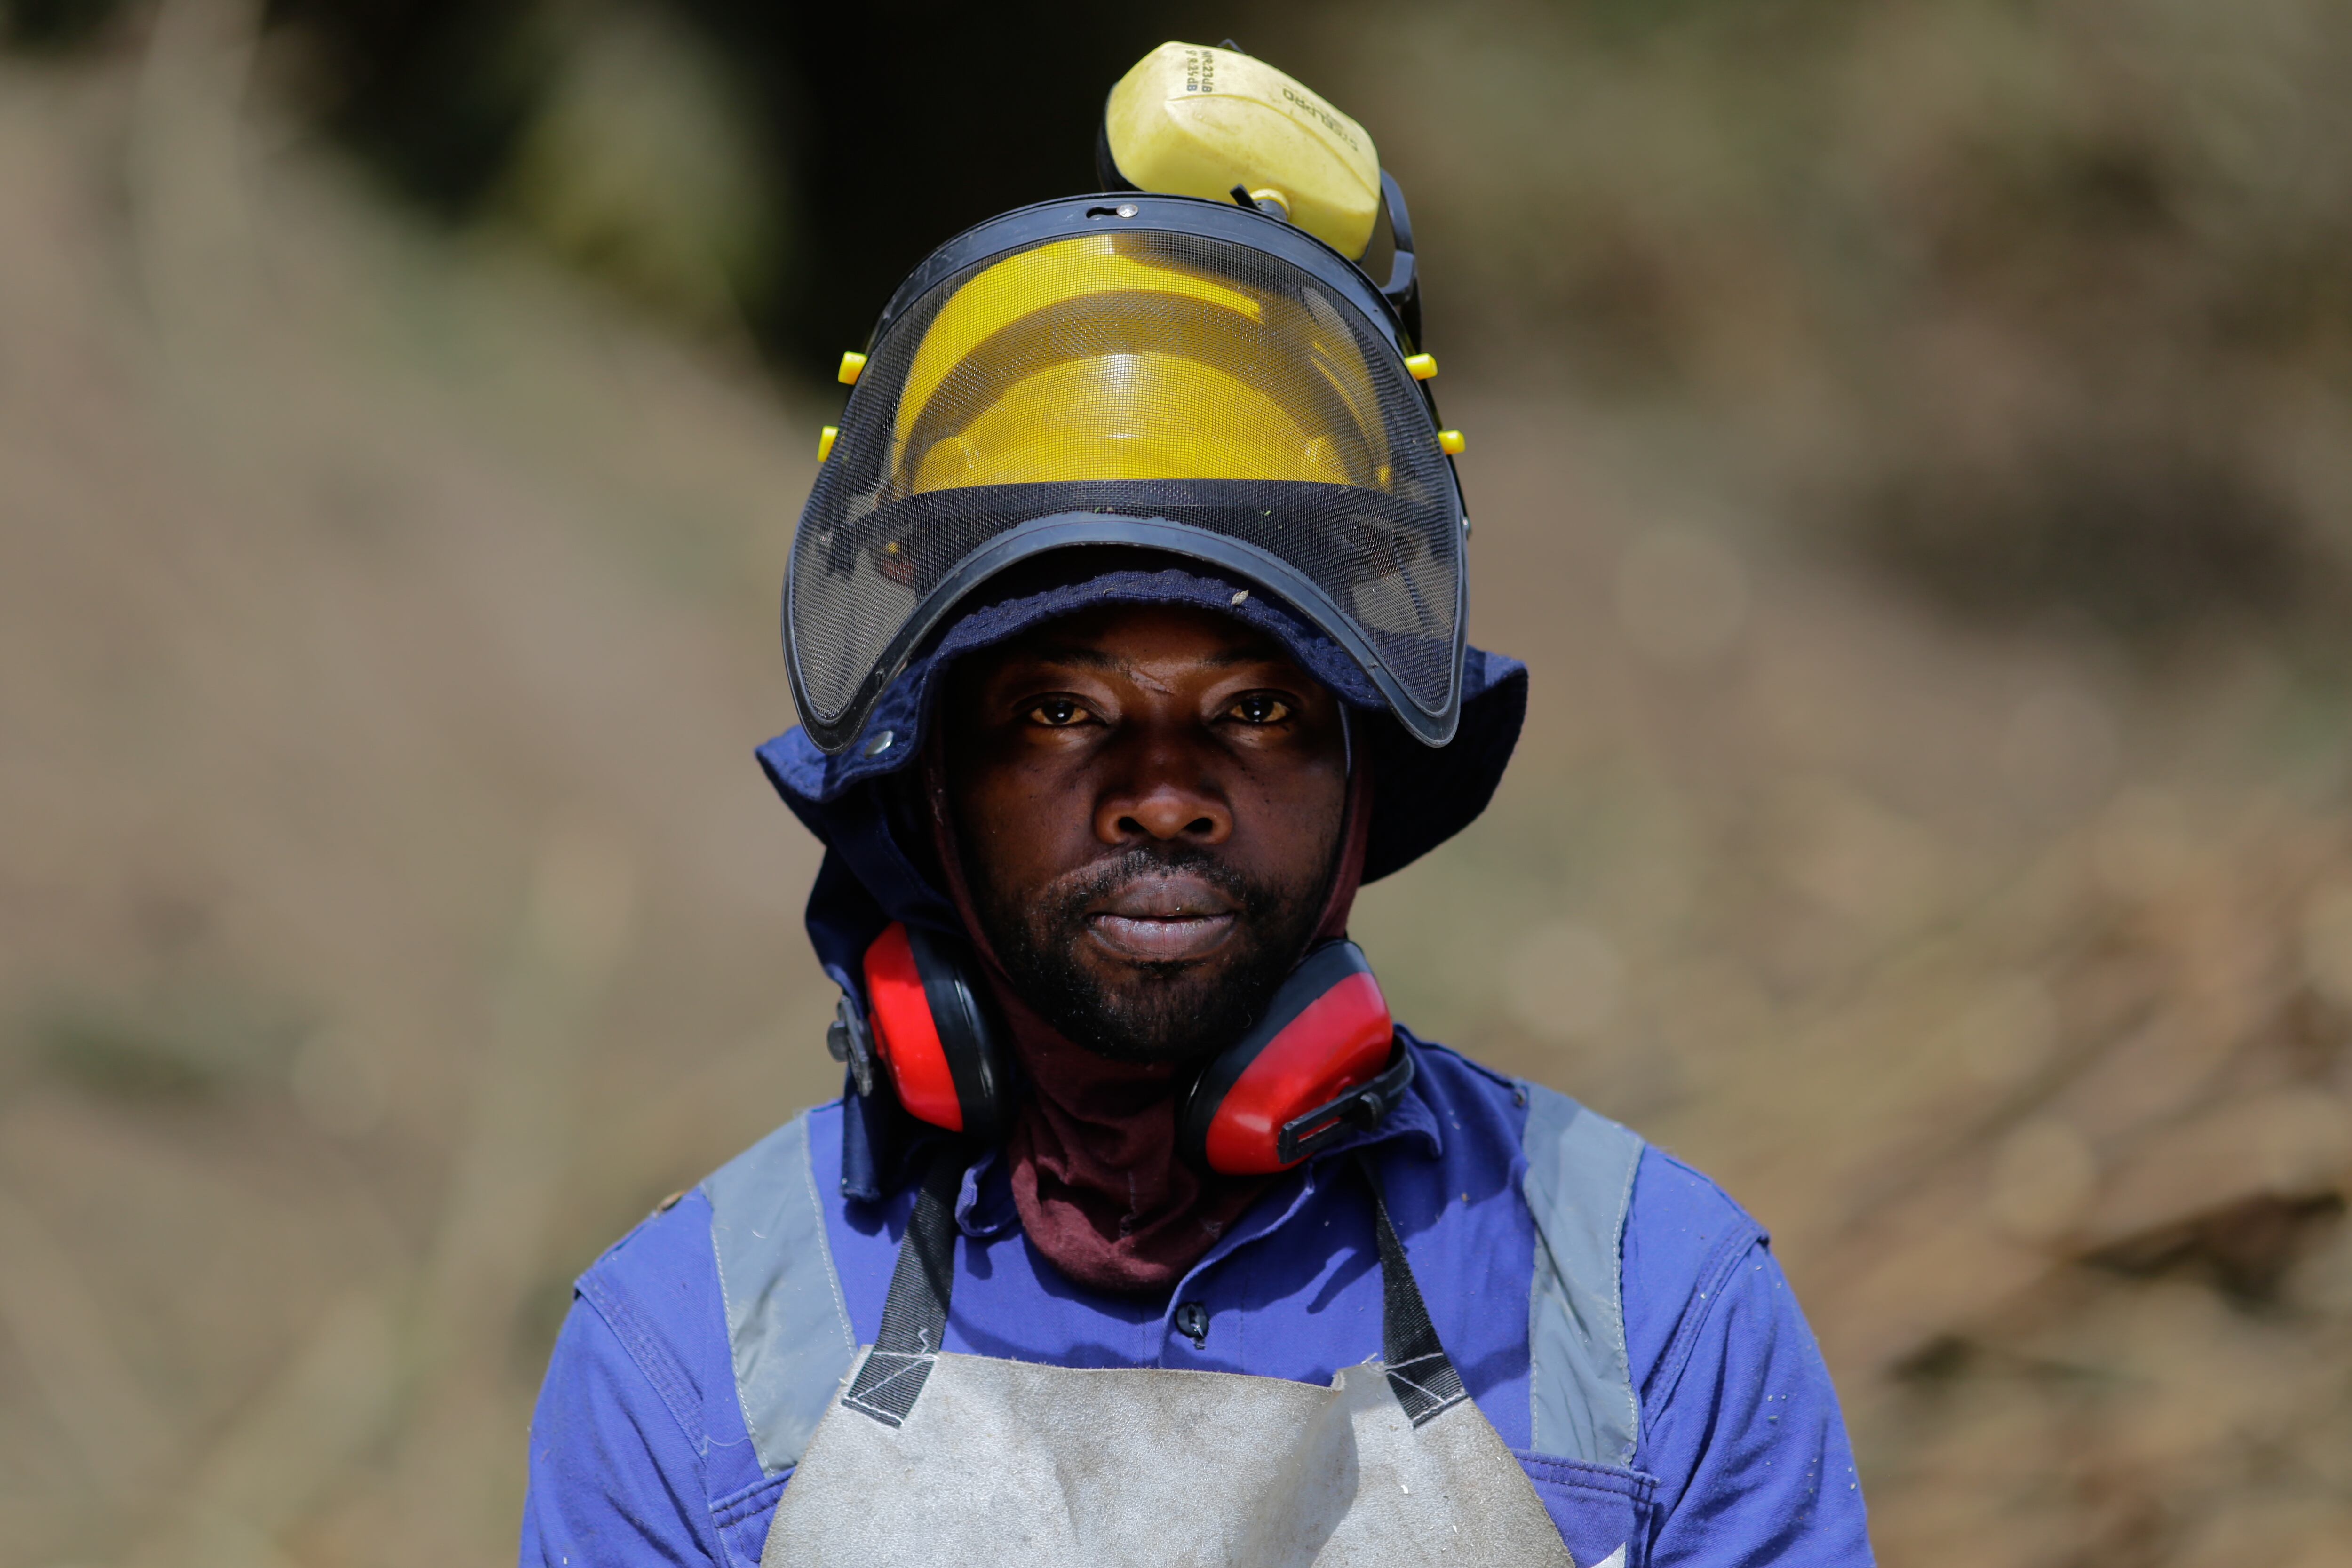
(1327, 1030)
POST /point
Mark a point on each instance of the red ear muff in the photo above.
(934, 1034)
(1323, 1060)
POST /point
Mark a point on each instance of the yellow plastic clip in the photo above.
(824, 441)
(853, 364)
(1423, 366)
(1450, 443)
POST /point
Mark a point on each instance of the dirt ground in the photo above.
(390, 912)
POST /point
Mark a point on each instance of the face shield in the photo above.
(1165, 374)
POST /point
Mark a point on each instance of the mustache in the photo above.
(1164, 1011)
(1070, 893)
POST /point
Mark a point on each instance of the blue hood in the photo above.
(1421, 796)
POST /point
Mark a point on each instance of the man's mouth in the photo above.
(1163, 919)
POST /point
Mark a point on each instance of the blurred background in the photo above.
(1909, 440)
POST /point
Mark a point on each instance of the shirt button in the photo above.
(1192, 1322)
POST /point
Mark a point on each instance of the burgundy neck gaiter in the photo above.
(1100, 1186)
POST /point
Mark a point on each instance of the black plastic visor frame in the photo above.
(1072, 530)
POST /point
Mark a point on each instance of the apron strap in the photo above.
(1419, 1371)
(915, 1313)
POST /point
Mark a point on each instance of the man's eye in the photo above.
(1057, 712)
(1259, 708)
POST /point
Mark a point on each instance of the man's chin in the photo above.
(1142, 1007)
(1164, 1012)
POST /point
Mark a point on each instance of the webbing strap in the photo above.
(1419, 1371)
(915, 1313)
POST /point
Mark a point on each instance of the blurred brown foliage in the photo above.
(2036, 305)
(1906, 443)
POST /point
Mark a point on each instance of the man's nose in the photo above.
(1164, 801)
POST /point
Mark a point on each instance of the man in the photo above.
(1125, 623)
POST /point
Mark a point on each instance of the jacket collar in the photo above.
(984, 1209)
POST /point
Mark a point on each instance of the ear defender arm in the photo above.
(846, 1040)
(1356, 1108)
(1403, 287)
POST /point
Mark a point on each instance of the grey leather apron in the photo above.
(928, 1457)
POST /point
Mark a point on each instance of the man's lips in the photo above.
(1161, 920)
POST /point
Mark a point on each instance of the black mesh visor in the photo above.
(1155, 388)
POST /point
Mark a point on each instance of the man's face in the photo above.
(1148, 803)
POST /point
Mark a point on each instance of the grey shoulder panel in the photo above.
(1580, 1183)
(786, 1321)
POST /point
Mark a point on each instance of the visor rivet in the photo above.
(879, 743)
(1128, 209)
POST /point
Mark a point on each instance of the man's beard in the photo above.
(1175, 1011)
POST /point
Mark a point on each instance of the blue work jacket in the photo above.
(1731, 1452)
(1619, 1320)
